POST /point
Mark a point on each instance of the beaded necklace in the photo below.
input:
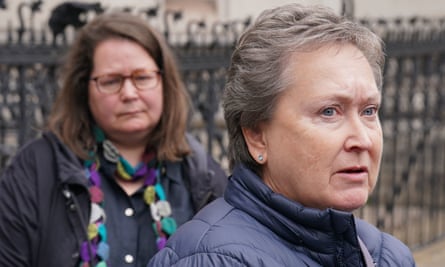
(95, 251)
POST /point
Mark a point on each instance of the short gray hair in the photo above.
(257, 76)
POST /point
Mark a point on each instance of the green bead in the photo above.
(168, 225)
(127, 166)
(98, 134)
(149, 194)
(102, 232)
(92, 231)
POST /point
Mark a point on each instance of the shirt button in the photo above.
(129, 258)
(129, 212)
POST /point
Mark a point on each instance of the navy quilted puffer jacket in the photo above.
(253, 226)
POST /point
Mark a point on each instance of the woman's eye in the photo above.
(370, 111)
(328, 112)
(143, 77)
(106, 81)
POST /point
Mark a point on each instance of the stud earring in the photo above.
(260, 157)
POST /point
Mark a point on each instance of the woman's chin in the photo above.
(352, 203)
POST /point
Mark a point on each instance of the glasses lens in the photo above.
(109, 83)
(145, 80)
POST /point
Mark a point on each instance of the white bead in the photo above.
(164, 208)
(155, 212)
(96, 213)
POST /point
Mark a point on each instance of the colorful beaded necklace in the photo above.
(95, 251)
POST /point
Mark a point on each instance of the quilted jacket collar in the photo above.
(298, 225)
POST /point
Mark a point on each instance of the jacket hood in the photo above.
(69, 165)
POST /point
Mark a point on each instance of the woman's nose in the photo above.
(128, 88)
(359, 135)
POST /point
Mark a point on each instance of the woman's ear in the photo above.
(256, 143)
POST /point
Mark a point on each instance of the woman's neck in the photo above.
(130, 186)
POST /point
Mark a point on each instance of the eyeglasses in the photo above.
(141, 79)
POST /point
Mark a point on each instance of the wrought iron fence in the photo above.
(409, 199)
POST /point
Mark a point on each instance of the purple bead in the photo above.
(161, 242)
(150, 177)
(141, 171)
(95, 178)
(84, 252)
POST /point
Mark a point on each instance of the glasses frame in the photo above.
(123, 78)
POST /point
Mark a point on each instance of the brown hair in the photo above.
(71, 119)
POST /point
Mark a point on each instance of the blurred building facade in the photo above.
(215, 10)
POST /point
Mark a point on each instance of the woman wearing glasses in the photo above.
(116, 173)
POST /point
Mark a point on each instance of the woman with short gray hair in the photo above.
(305, 145)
